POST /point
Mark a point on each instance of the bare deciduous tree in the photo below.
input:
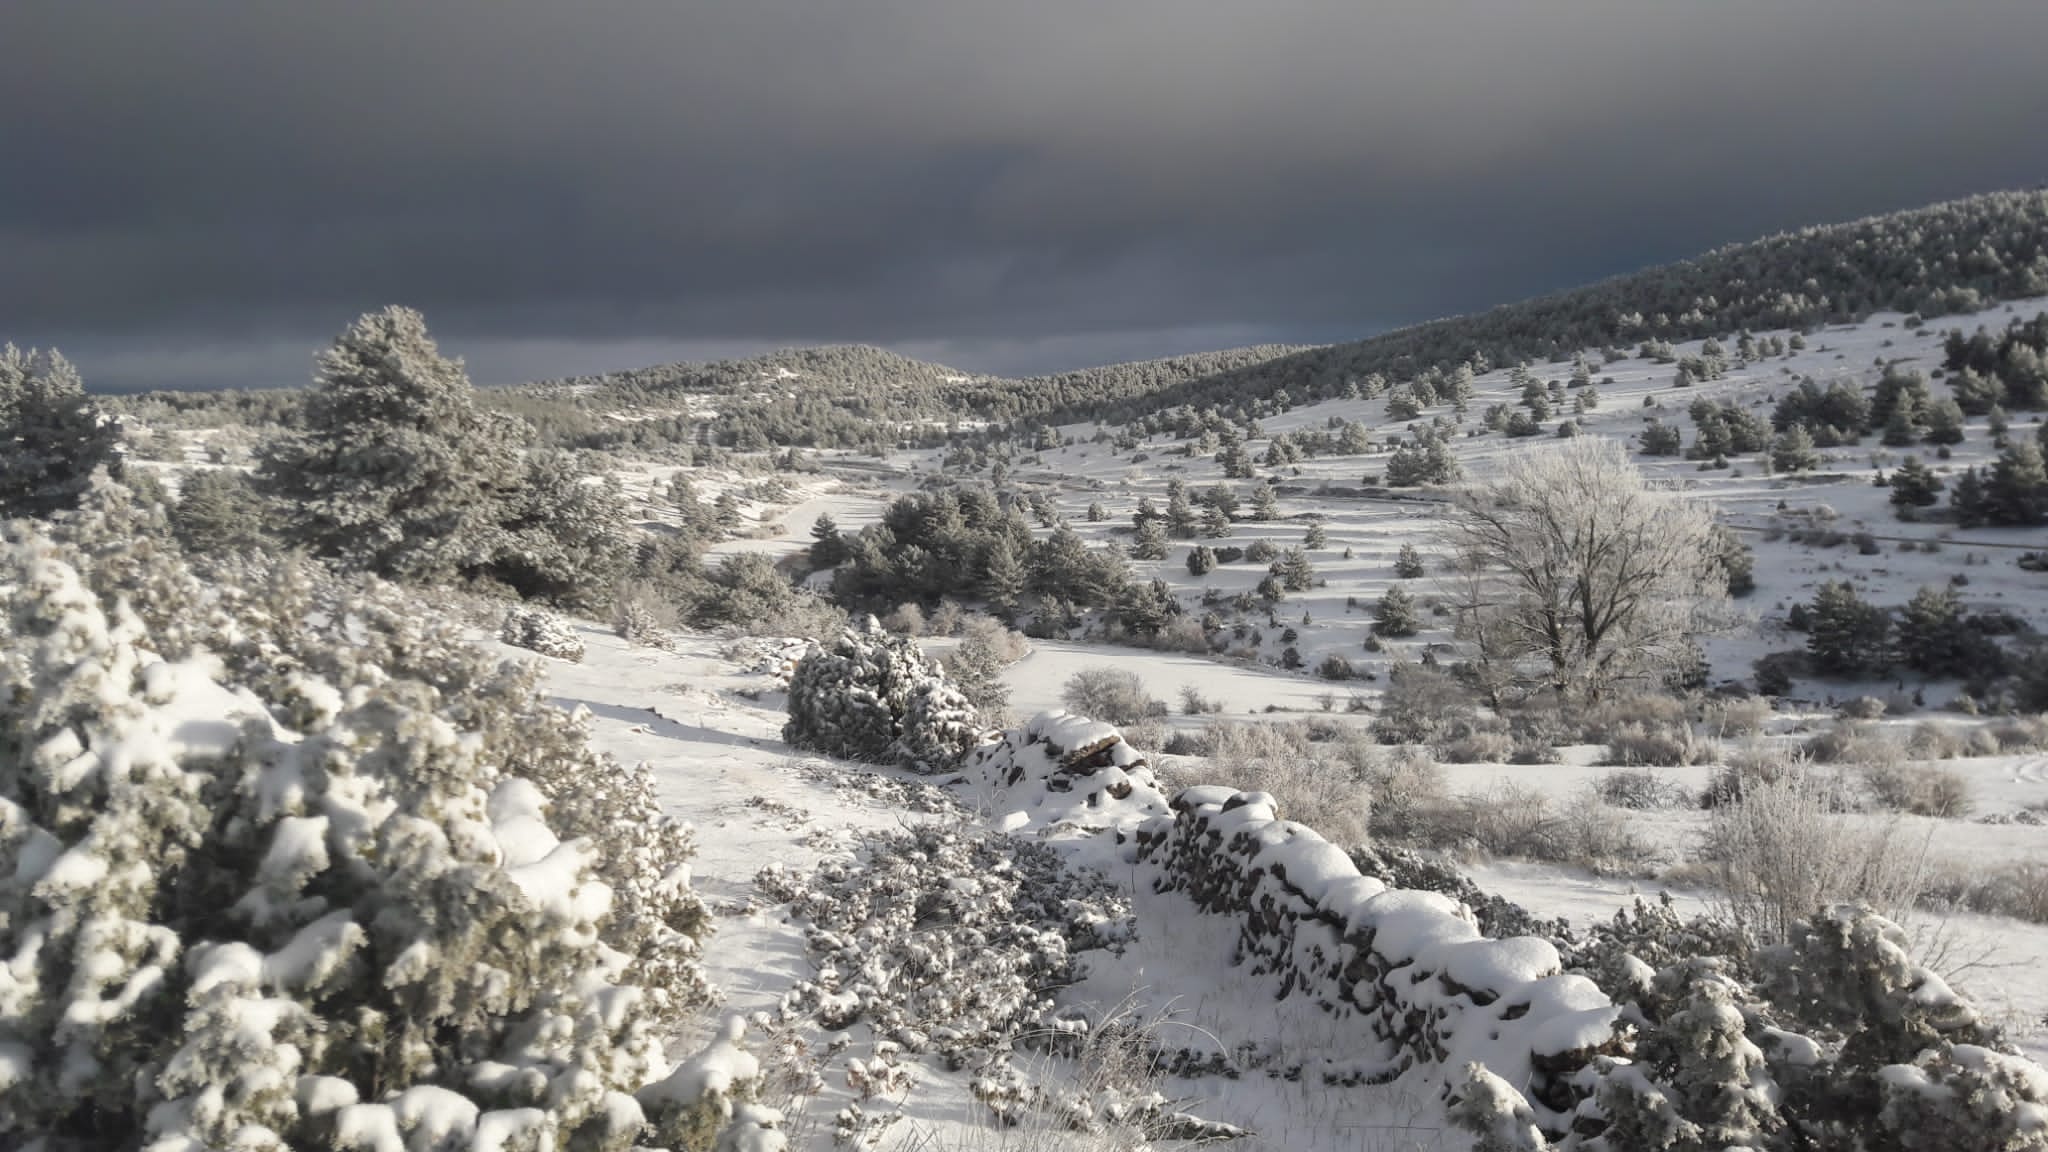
(1583, 565)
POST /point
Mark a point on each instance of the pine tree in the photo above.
(1969, 499)
(1215, 523)
(1659, 439)
(1315, 537)
(1181, 521)
(1847, 637)
(1408, 563)
(2017, 492)
(1265, 506)
(1901, 429)
(1395, 614)
(52, 435)
(1201, 560)
(1003, 577)
(1096, 513)
(217, 512)
(1931, 639)
(828, 547)
(1914, 485)
(396, 472)
(1794, 451)
(1945, 422)
(1296, 573)
(1150, 543)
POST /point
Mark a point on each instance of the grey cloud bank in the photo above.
(199, 194)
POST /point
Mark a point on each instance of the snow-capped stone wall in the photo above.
(1413, 965)
(1061, 770)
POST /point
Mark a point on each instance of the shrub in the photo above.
(1193, 703)
(1852, 742)
(542, 632)
(1109, 695)
(1919, 790)
(1779, 852)
(1640, 791)
(1479, 748)
(1423, 706)
(242, 928)
(1744, 717)
(1657, 746)
(872, 697)
(1335, 667)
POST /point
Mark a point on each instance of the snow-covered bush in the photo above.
(537, 630)
(269, 889)
(873, 697)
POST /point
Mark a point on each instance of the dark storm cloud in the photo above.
(202, 192)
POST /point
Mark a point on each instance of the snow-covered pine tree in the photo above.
(52, 436)
(397, 472)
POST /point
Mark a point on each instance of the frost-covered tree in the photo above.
(52, 435)
(1602, 574)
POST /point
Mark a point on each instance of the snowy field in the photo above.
(722, 765)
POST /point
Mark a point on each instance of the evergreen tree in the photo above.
(1096, 513)
(1408, 563)
(1265, 505)
(1215, 523)
(1395, 614)
(1201, 560)
(1945, 422)
(828, 547)
(1314, 537)
(1794, 451)
(1296, 573)
(1150, 543)
(1914, 485)
(1659, 439)
(1931, 636)
(52, 435)
(396, 472)
(218, 511)
(1003, 577)
(1846, 636)
(1426, 461)
(1737, 560)
(1969, 499)
(2017, 492)
(1180, 515)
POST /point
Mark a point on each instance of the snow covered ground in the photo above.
(721, 764)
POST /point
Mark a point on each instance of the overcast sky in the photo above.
(200, 193)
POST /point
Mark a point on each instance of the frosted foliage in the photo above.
(266, 909)
(1585, 569)
(52, 436)
(541, 631)
(872, 697)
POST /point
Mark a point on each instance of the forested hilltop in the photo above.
(1947, 258)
